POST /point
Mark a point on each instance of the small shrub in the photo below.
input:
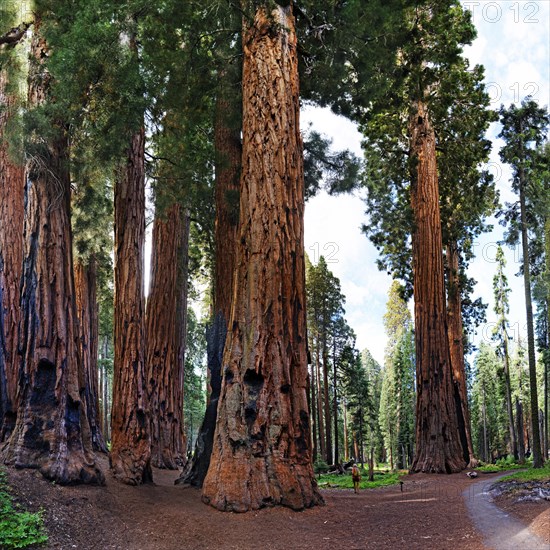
(18, 528)
(381, 479)
(531, 474)
(501, 465)
(320, 466)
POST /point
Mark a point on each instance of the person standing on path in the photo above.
(355, 477)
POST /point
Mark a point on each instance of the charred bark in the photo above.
(87, 312)
(52, 432)
(12, 209)
(262, 449)
(196, 469)
(163, 360)
(227, 144)
(438, 446)
(456, 344)
(130, 423)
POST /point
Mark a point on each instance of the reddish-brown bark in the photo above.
(88, 317)
(12, 209)
(164, 341)
(227, 144)
(261, 455)
(456, 345)
(438, 446)
(130, 422)
(227, 141)
(52, 432)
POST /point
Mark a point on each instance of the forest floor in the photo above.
(430, 513)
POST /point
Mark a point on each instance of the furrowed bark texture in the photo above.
(261, 455)
(12, 210)
(438, 446)
(164, 370)
(52, 432)
(130, 422)
(88, 316)
(227, 143)
(456, 345)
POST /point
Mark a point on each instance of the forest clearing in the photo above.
(178, 369)
(430, 512)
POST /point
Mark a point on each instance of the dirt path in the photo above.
(429, 514)
(500, 530)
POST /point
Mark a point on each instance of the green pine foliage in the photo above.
(194, 378)
(397, 398)
(489, 422)
(429, 66)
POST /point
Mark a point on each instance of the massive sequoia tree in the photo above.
(409, 141)
(12, 195)
(130, 429)
(438, 446)
(51, 432)
(165, 341)
(261, 454)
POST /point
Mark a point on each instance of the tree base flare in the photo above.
(66, 470)
(129, 470)
(267, 485)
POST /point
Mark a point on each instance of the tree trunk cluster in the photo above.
(52, 432)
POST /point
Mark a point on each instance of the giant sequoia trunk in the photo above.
(227, 143)
(456, 345)
(52, 432)
(537, 454)
(12, 208)
(261, 454)
(164, 341)
(438, 445)
(130, 423)
(88, 316)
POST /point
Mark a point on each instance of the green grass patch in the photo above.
(502, 465)
(18, 528)
(381, 479)
(532, 474)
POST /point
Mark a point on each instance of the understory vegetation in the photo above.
(18, 528)
(344, 481)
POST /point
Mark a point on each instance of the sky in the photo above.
(513, 45)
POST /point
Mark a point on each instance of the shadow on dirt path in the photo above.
(500, 530)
